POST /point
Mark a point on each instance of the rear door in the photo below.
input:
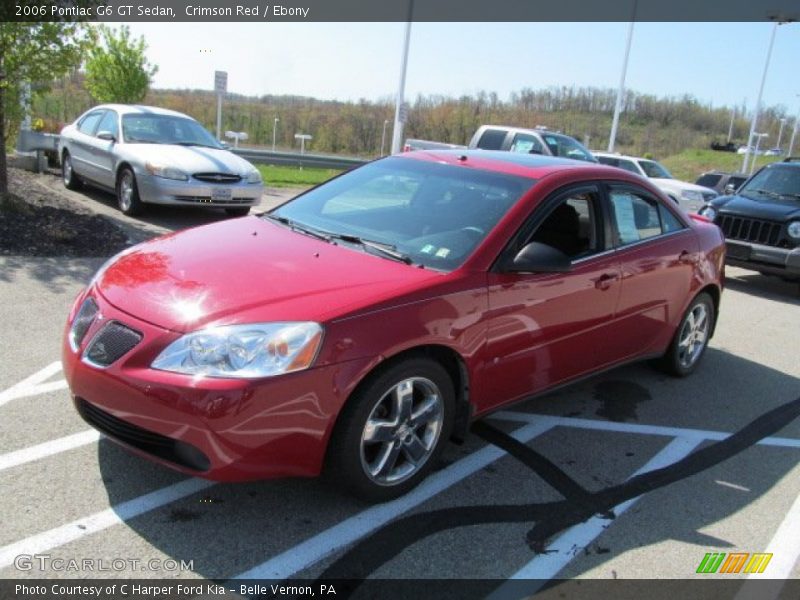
(657, 253)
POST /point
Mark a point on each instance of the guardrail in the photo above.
(322, 161)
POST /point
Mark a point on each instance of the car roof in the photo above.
(128, 109)
(533, 166)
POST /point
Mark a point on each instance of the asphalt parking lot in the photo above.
(560, 502)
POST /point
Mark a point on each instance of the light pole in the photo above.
(758, 137)
(754, 121)
(618, 106)
(780, 133)
(383, 137)
(274, 129)
(399, 113)
(794, 131)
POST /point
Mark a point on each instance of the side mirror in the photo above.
(536, 257)
(107, 136)
(225, 145)
(729, 190)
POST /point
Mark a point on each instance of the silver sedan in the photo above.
(145, 154)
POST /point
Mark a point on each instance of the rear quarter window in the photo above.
(492, 139)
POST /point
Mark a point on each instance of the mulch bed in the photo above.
(35, 222)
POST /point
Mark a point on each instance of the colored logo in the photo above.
(735, 562)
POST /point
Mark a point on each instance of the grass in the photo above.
(690, 164)
(275, 176)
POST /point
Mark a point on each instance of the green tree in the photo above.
(117, 70)
(35, 53)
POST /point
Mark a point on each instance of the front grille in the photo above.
(208, 200)
(110, 343)
(163, 447)
(83, 320)
(750, 230)
(218, 177)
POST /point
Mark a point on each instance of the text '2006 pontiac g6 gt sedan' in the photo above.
(355, 329)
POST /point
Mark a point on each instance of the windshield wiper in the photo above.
(385, 249)
(766, 193)
(295, 226)
(195, 144)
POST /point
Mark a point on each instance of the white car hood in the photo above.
(190, 159)
(677, 185)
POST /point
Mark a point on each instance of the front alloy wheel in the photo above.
(128, 193)
(392, 430)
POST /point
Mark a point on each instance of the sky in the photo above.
(718, 63)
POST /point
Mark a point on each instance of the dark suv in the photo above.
(761, 222)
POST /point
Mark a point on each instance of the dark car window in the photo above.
(571, 226)
(736, 182)
(774, 179)
(637, 217)
(492, 139)
(149, 128)
(109, 123)
(708, 180)
(620, 163)
(653, 169)
(525, 143)
(435, 214)
(89, 123)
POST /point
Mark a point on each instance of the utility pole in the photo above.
(399, 108)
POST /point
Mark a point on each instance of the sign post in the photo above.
(302, 137)
(220, 87)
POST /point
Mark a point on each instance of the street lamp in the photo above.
(383, 137)
(618, 106)
(399, 106)
(274, 129)
(794, 131)
(780, 133)
(758, 137)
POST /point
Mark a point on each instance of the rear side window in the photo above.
(89, 122)
(492, 139)
(636, 218)
(708, 180)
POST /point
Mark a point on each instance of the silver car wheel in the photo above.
(126, 191)
(402, 431)
(693, 336)
(67, 170)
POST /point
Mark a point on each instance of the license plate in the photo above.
(220, 194)
(737, 251)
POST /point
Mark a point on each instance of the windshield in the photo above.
(562, 145)
(652, 169)
(781, 181)
(143, 128)
(426, 213)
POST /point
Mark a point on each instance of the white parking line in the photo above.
(784, 546)
(26, 455)
(33, 385)
(58, 536)
(673, 432)
(562, 550)
(323, 544)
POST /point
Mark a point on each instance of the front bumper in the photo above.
(222, 429)
(771, 260)
(158, 190)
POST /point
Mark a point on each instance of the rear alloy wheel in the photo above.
(691, 337)
(71, 179)
(127, 193)
(393, 430)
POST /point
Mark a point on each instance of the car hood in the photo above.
(771, 209)
(250, 270)
(678, 185)
(190, 159)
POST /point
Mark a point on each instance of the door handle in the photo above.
(685, 257)
(605, 281)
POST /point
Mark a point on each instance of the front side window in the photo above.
(89, 123)
(526, 144)
(109, 124)
(638, 217)
(433, 214)
(562, 145)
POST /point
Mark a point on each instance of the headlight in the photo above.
(254, 176)
(243, 351)
(709, 212)
(794, 230)
(165, 172)
(692, 195)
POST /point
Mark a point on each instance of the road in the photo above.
(557, 506)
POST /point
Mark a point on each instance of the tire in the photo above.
(691, 338)
(406, 440)
(238, 212)
(71, 179)
(128, 193)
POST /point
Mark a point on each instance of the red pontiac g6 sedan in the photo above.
(358, 327)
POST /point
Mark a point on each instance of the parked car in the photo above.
(722, 182)
(145, 154)
(761, 222)
(358, 327)
(689, 196)
(539, 140)
(412, 144)
(773, 152)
